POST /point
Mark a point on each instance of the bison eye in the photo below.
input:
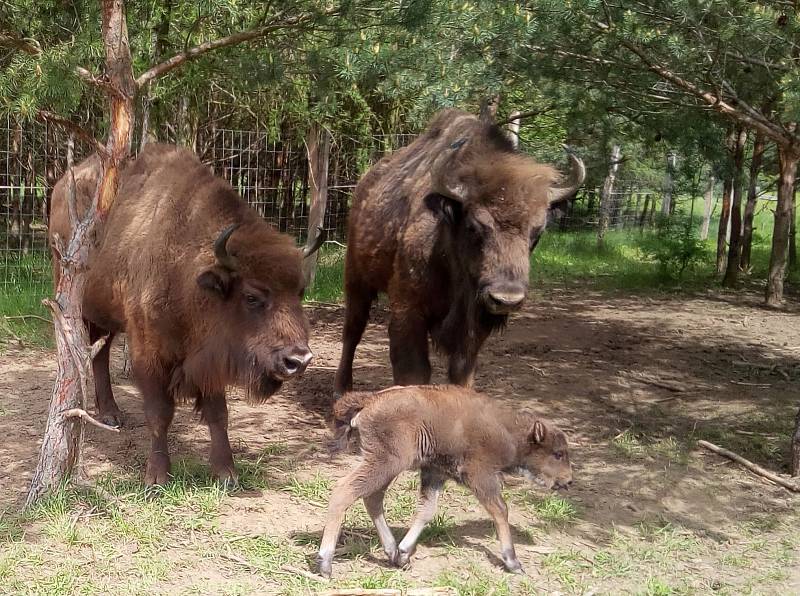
(253, 302)
(475, 230)
(558, 454)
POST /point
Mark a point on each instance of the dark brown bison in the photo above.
(206, 291)
(445, 226)
(447, 433)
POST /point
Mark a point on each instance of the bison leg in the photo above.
(489, 493)
(367, 479)
(431, 485)
(214, 412)
(159, 408)
(107, 409)
(374, 505)
(358, 302)
(462, 364)
(408, 349)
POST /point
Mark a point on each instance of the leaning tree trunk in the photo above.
(607, 195)
(60, 451)
(734, 247)
(318, 145)
(788, 158)
(722, 232)
(750, 207)
(708, 203)
(793, 232)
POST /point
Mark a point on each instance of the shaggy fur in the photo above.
(446, 432)
(445, 227)
(194, 324)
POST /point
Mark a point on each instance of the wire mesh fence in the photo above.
(271, 174)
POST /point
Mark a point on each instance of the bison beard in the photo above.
(445, 227)
(207, 292)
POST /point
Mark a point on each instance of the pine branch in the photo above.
(14, 40)
(100, 82)
(180, 58)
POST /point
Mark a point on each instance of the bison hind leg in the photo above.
(107, 409)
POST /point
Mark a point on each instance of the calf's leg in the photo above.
(488, 492)
(214, 412)
(366, 480)
(357, 304)
(431, 485)
(159, 408)
(374, 505)
(108, 411)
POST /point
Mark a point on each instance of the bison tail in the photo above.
(344, 410)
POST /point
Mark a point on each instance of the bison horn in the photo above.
(221, 248)
(310, 249)
(573, 182)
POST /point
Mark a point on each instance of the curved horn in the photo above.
(221, 248)
(322, 236)
(573, 182)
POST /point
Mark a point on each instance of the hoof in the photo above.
(324, 568)
(226, 476)
(113, 419)
(402, 559)
(157, 472)
(514, 566)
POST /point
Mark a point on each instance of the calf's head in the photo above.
(258, 336)
(545, 455)
(494, 204)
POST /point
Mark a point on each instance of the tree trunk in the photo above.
(158, 39)
(666, 205)
(788, 157)
(735, 246)
(708, 202)
(489, 107)
(61, 446)
(513, 128)
(319, 144)
(607, 195)
(793, 232)
(796, 447)
(722, 233)
(750, 206)
(643, 216)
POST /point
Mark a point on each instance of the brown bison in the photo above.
(448, 433)
(445, 226)
(206, 291)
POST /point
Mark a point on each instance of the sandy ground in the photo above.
(633, 381)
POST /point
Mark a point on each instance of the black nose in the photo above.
(563, 485)
(293, 361)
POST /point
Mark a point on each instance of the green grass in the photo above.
(637, 445)
(550, 509)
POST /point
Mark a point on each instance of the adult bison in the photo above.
(445, 226)
(207, 292)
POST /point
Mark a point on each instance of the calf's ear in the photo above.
(444, 207)
(217, 280)
(537, 433)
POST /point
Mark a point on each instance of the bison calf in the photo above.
(446, 432)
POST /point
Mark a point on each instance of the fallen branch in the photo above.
(676, 387)
(755, 468)
(80, 413)
(23, 317)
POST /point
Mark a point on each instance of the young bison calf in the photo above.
(445, 432)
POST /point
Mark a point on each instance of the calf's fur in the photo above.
(447, 432)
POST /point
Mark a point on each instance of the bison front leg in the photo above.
(462, 364)
(489, 492)
(408, 349)
(159, 409)
(357, 304)
(214, 412)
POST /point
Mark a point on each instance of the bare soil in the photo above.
(634, 381)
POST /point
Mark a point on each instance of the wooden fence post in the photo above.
(318, 146)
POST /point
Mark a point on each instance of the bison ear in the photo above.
(538, 433)
(444, 207)
(216, 279)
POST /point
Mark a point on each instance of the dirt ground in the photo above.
(635, 381)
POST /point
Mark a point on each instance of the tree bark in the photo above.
(513, 127)
(158, 39)
(796, 447)
(666, 204)
(735, 245)
(750, 206)
(788, 158)
(61, 446)
(708, 203)
(319, 144)
(722, 232)
(607, 194)
(793, 232)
